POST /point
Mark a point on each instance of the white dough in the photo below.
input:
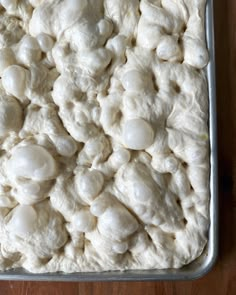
(104, 140)
(7, 59)
(10, 115)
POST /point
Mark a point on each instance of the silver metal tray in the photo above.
(205, 262)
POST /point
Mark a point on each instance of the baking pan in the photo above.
(205, 262)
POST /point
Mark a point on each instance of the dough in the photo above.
(103, 134)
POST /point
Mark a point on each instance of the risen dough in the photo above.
(103, 134)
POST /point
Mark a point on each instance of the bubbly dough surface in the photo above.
(103, 134)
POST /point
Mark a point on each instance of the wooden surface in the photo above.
(222, 279)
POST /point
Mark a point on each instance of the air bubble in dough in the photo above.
(32, 162)
(120, 248)
(84, 221)
(133, 81)
(29, 50)
(90, 184)
(65, 145)
(23, 220)
(45, 42)
(117, 223)
(31, 188)
(137, 134)
(120, 157)
(9, 4)
(14, 80)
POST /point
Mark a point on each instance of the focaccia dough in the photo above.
(103, 134)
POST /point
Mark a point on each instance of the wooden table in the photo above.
(222, 279)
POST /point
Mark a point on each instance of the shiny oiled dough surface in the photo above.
(105, 160)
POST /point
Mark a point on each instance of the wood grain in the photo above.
(222, 279)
